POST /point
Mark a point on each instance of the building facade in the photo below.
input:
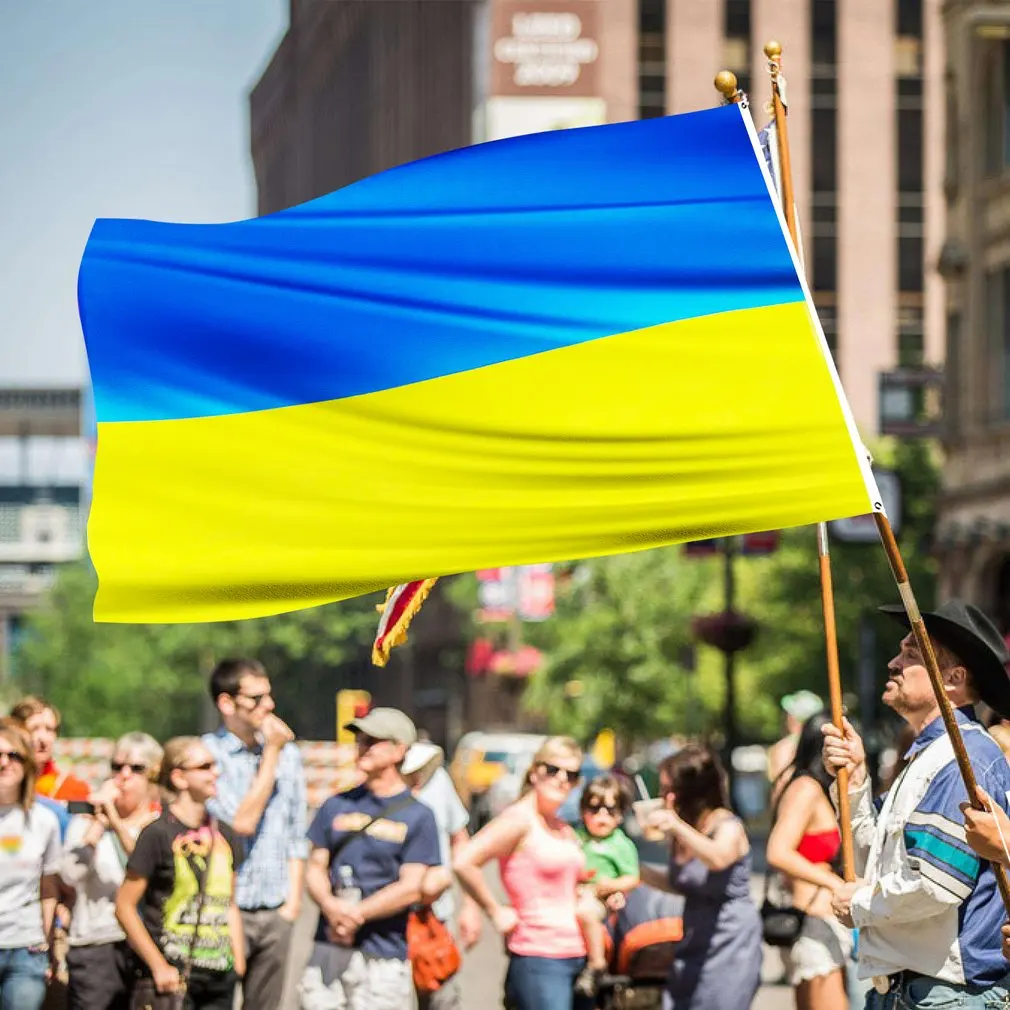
(43, 501)
(356, 87)
(973, 536)
(865, 93)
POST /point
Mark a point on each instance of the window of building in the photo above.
(824, 92)
(910, 210)
(996, 97)
(825, 259)
(951, 172)
(952, 374)
(1003, 347)
(910, 150)
(736, 19)
(823, 124)
(908, 18)
(907, 56)
(910, 261)
(651, 58)
(824, 33)
(997, 304)
(824, 161)
(737, 41)
(824, 210)
(911, 350)
(911, 334)
(827, 312)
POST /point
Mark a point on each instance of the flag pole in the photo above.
(773, 51)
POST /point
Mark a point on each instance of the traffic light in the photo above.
(351, 704)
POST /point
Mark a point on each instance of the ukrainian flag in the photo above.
(562, 345)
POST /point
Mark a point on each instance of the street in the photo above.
(484, 966)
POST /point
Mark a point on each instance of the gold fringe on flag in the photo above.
(402, 603)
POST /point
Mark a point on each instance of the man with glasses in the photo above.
(371, 848)
(261, 794)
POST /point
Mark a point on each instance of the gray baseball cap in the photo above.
(385, 724)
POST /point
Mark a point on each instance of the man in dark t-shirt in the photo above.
(371, 847)
(174, 859)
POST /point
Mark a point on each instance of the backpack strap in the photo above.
(393, 808)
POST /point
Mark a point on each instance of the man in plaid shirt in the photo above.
(261, 794)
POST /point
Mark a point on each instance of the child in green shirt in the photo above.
(612, 865)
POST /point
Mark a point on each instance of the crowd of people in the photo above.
(178, 880)
(182, 875)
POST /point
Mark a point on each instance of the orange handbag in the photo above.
(433, 954)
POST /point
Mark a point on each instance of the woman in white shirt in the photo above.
(94, 864)
(29, 859)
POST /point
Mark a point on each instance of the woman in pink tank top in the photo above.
(541, 865)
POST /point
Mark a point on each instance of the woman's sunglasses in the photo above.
(118, 766)
(13, 756)
(553, 771)
(205, 767)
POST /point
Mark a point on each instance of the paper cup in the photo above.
(643, 809)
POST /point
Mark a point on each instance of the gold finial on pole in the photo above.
(773, 50)
(726, 85)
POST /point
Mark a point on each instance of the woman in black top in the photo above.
(159, 902)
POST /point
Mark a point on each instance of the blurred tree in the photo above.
(618, 650)
(110, 678)
(785, 588)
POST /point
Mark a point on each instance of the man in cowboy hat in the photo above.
(927, 907)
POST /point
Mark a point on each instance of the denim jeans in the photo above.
(539, 983)
(22, 978)
(921, 993)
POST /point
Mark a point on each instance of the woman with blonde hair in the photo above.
(29, 861)
(541, 864)
(98, 846)
(177, 904)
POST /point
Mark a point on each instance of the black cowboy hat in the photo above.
(973, 638)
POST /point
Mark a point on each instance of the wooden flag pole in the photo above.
(773, 51)
(923, 641)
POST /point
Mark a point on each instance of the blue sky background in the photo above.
(113, 108)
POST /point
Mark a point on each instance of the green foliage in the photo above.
(618, 650)
(110, 678)
(790, 652)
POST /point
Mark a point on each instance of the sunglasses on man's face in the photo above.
(118, 766)
(365, 742)
(256, 699)
(553, 771)
(13, 756)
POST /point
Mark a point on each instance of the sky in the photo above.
(113, 108)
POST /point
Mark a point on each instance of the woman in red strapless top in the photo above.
(803, 846)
